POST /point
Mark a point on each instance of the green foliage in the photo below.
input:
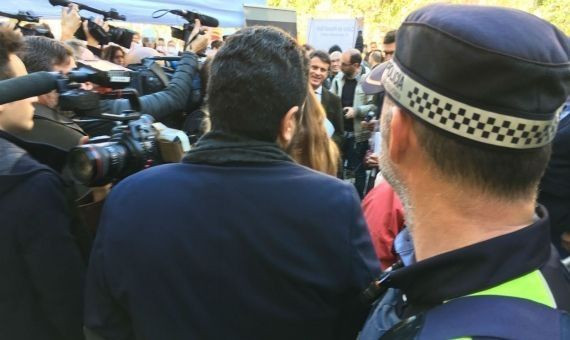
(382, 15)
(557, 12)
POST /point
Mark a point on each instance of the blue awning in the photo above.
(228, 12)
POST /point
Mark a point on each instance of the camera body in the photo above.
(136, 144)
(149, 76)
(35, 30)
(117, 35)
(86, 103)
(32, 28)
(131, 148)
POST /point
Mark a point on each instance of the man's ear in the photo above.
(288, 125)
(401, 135)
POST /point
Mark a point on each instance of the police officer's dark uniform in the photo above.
(494, 76)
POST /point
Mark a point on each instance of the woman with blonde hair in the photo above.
(311, 146)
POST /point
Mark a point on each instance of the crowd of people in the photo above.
(416, 189)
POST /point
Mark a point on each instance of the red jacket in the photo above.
(384, 215)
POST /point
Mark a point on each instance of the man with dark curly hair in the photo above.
(237, 241)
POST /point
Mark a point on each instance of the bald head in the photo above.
(352, 56)
(350, 62)
(135, 55)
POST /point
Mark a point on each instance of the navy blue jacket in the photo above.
(188, 251)
(41, 286)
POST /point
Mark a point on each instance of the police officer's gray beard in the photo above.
(390, 174)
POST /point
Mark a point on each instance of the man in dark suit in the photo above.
(318, 71)
(237, 241)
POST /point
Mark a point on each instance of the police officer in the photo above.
(472, 105)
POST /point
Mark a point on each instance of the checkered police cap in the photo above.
(486, 74)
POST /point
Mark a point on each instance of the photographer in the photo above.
(166, 104)
(51, 126)
(42, 267)
(174, 97)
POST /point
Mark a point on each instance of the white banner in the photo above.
(324, 33)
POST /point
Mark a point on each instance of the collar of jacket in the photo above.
(218, 148)
(46, 154)
(45, 112)
(477, 267)
(357, 77)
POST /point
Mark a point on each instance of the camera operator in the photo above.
(170, 101)
(162, 105)
(42, 267)
(51, 126)
(92, 44)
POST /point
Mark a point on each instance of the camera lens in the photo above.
(121, 36)
(97, 164)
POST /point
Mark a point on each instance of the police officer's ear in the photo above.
(403, 139)
(287, 128)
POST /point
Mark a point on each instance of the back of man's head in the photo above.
(42, 54)
(375, 57)
(136, 55)
(256, 78)
(486, 127)
(10, 43)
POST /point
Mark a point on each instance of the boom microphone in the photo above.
(28, 16)
(28, 86)
(112, 14)
(191, 16)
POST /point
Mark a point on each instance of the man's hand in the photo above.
(565, 240)
(372, 160)
(370, 126)
(11, 25)
(201, 42)
(70, 21)
(348, 112)
(91, 41)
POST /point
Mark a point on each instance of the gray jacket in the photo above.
(362, 105)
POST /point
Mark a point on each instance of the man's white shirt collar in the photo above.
(319, 93)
